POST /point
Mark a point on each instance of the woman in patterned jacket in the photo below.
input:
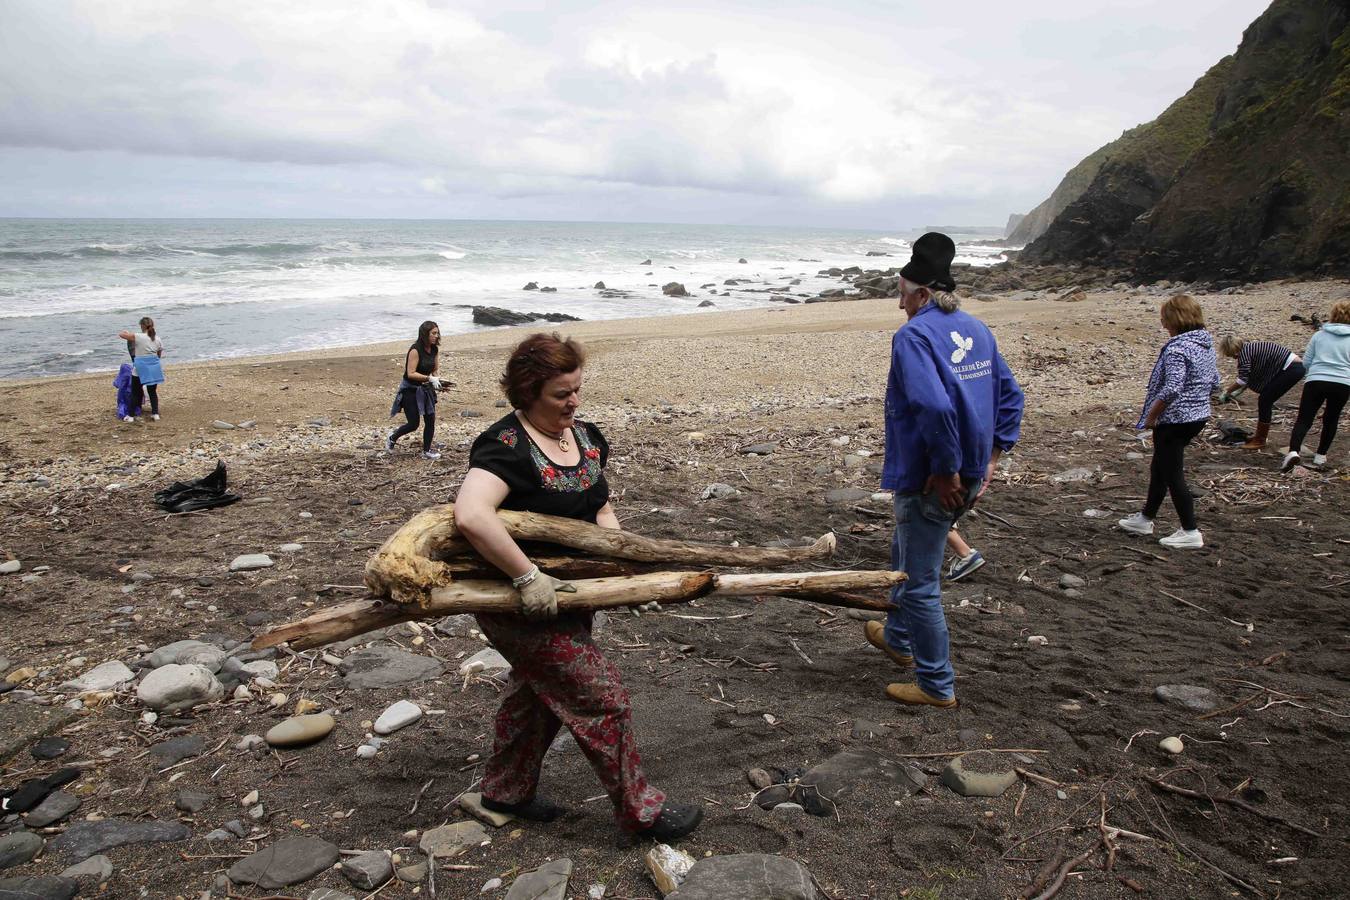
(540, 458)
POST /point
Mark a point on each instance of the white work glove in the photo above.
(434, 382)
(539, 598)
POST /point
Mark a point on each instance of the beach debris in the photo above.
(175, 688)
(668, 867)
(978, 774)
(10, 566)
(548, 882)
(298, 731)
(288, 861)
(1187, 696)
(1172, 745)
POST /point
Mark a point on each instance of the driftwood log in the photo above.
(428, 552)
(472, 596)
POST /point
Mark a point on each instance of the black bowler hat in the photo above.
(931, 262)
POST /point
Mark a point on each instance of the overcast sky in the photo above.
(852, 114)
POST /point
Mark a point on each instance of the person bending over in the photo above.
(1266, 367)
(1327, 359)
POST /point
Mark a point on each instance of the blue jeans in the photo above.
(915, 624)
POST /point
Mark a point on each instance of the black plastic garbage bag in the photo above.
(204, 493)
(1233, 433)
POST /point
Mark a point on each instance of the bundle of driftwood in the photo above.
(427, 570)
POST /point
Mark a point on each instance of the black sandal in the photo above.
(675, 821)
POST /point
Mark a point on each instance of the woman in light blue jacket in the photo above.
(1327, 360)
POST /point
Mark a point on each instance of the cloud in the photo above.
(838, 105)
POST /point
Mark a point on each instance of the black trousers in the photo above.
(1167, 474)
(410, 411)
(151, 389)
(1315, 393)
(1275, 389)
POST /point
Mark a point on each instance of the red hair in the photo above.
(534, 361)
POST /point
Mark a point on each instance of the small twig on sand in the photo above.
(1196, 795)
(1044, 873)
(1142, 552)
(1184, 601)
(1040, 779)
(800, 652)
(418, 798)
(1065, 869)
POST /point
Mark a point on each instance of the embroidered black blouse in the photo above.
(537, 484)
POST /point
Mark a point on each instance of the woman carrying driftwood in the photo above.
(540, 458)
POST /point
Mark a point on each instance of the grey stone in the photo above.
(789, 809)
(771, 796)
(761, 449)
(236, 828)
(220, 834)
(188, 653)
(18, 848)
(746, 876)
(413, 874)
(718, 491)
(288, 861)
(85, 839)
(835, 778)
(456, 626)
(548, 882)
(449, 841)
(1073, 475)
(94, 870)
(847, 495)
(485, 662)
(978, 774)
(53, 809)
(1071, 581)
(1187, 696)
(103, 677)
(222, 425)
(328, 894)
(49, 748)
(41, 887)
(174, 688)
(250, 561)
(368, 870)
(177, 749)
(10, 566)
(380, 667)
(191, 801)
(863, 729)
(291, 548)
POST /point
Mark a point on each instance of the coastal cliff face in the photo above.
(1247, 175)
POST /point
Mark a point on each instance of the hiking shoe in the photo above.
(1136, 523)
(876, 636)
(128, 419)
(913, 695)
(532, 810)
(1181, 539)
(1291, 459)
(676, 821)
(389, 443)
(154, 417)
(1319, 460)
(965, 565)
(430, 454)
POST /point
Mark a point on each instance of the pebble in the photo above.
(718, 491)
(57, 806)
(96, 870)
(249, 741)
(1172, 745)
(299, 730)
(368, 870)
(49, 748)
(449, 841)
(174, 688)
(242, 693)
(473, 805)
(412, 874)
(10, 566)
(1071, 581)
(291, 548)
(490, 885)
(400, 715)
(978, 774)
(1187, 696)
(17, 849)
(307, 515)
(1038, 640)
(250, 561)
(222, 425)
(367, 751)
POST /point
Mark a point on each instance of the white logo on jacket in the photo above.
(963, 346)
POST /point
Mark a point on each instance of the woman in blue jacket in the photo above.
(1176, 409)
(1327, 360)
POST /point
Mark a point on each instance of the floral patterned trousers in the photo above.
(559, 677)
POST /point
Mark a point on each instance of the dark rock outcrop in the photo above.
(1243, 177)
(495, 315)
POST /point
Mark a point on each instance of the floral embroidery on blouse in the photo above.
(569, 479)
(508, 436)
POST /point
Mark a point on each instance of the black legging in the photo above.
(1166, 473)
(1275, 389)
(410, 410)
(1315, 393)
(151, 389)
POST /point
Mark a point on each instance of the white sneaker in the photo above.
(1291, 459)
(128, 419)
(1181, 539)
(1137, 523)
(154, 416)
(430, 454)
(1319, 459)
(389, 444)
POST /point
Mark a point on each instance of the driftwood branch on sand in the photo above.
(426, 570)
(475, 596)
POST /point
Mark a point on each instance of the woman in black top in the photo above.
(1266, 367)
(416, 394)
(542, 459)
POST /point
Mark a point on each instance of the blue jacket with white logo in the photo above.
(950, 399)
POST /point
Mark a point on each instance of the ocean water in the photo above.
(230, 287)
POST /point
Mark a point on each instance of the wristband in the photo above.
(525, 579)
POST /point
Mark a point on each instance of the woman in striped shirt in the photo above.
(1266, 367)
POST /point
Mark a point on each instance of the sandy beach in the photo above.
(1257, 618)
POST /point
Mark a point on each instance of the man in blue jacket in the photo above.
(952, 408)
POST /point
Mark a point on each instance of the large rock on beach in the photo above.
(18, 848)
(175, 688)
(381, 667)
(38, 887)
(747, 876)
(834, 779)
(368, 870)
(674, 289)
(449, 841)
(288, 861)
(495, 316)
(57, 806)
(85, 839)
(548, 882)
(1187, 696)
(188, 653)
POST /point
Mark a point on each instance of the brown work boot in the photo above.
(913, 695)
(1258, 440)
(876, 636)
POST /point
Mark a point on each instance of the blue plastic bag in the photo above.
(128, 400)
